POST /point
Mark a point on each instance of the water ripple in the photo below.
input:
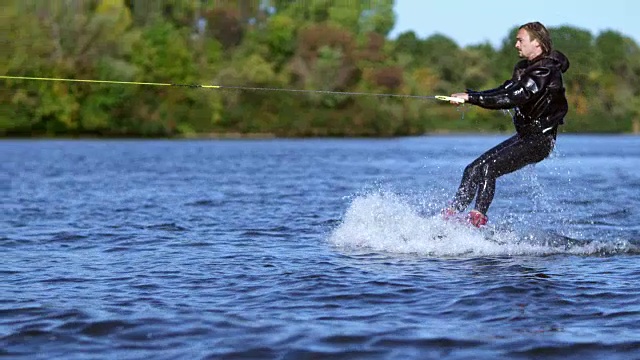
(327, 249)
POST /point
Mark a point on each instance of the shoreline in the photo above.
(267, 136)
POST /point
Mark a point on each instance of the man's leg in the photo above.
(473, 176)
(508, 159)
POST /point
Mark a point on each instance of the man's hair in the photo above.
(537, 31)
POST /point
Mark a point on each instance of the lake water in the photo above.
(323, 248)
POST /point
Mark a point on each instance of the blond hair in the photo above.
(537, 31)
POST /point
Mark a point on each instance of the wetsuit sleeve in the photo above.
(518, 68)
(490, 91)
(514, 94)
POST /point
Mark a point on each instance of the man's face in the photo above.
(527, 49)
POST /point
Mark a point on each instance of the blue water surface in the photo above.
(315, 248)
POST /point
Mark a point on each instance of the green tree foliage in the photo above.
(81, 40)
(280, 39)
(265, 46)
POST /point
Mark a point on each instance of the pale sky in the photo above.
(472, 22)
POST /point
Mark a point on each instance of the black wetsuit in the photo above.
(537, 95)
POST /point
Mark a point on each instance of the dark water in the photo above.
(331, 249)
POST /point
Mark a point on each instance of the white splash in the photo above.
(387, 223)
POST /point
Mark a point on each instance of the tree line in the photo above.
(332, 46)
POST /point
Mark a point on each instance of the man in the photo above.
(536, 93)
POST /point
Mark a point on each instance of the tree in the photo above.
(280, 37)
(324, 48)
(359, 16)
(443, 54)
(161, 55)
(72, 39)
(225, 25)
